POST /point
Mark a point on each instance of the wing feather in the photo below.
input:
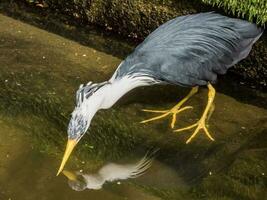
(193, 49)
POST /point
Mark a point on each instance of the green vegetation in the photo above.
(137, 18)
(253, 10)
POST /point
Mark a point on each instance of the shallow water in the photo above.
(27, 173)
(39, 74)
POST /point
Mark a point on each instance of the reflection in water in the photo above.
(108, 173)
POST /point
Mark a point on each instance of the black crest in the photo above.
(85, 91)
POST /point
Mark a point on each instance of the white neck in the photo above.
(120, 86)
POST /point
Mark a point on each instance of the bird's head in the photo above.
(75, 180)
(89, 99)
(79, 181)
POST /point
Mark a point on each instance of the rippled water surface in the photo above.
(39, 73)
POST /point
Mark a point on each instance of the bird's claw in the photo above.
(154, 111)
(174, 111)
(201, 124)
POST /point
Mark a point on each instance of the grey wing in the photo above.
(193, 49)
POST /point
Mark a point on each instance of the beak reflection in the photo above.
(70, 175)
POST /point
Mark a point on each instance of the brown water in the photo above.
(27, 173)
(39, 74)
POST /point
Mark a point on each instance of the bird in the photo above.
(108, 173)
(189, 51)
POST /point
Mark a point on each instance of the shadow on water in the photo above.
(39, 74)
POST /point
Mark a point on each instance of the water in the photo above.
(39, 74)
(27, 173)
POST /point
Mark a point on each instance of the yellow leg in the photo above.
(174, 111)
(201, 124)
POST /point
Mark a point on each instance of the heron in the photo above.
(108, 173)
(188, 51)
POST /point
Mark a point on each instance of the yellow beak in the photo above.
(70, 146)
(71, 176)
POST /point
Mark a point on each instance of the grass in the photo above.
(253, 10)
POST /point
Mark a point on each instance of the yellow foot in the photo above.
(174, 111)
(201, 124)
